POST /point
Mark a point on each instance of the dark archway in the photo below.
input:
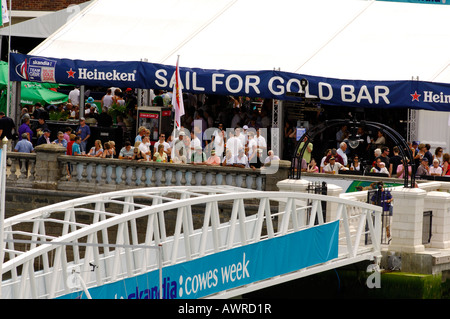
(314, 131)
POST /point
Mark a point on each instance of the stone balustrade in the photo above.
(49, 168)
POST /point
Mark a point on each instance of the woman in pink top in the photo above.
(213, 159)
(401, 169)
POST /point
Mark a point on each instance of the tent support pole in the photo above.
(82, 99)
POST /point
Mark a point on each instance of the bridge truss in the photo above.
(106, 238)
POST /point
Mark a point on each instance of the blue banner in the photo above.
(266, 84)
(229, 269)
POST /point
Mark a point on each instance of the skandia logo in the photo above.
(169, 291)
(37, 70)
(431, 97)
(113, 75)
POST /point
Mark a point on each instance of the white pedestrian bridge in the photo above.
(182, 242)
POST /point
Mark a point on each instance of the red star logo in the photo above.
(71, 73)
(415, 96)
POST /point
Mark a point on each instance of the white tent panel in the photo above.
(346, 39)
(117, 30)
(45, 25)
(266, 34)
(390, 41)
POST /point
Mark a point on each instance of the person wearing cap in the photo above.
(383, 169)
(84, 132)
(213, 160)
(423, 169)
(333, 167)
(44, 138)
(435, 170)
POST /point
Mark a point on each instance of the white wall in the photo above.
(433, 128)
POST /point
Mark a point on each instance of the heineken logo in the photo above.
(113, 75)
(431, 97)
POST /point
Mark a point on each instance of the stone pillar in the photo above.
(277, 171)
(439, 204)
(48, 171)
(407, 220)
(335, 191)
(301, 185)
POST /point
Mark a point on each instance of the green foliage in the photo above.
(117, 109)
(58, 116)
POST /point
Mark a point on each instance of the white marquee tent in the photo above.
(343, 39)
(346, 39)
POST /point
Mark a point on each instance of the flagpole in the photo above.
(175, 128)
(2, 206)
(8, 97)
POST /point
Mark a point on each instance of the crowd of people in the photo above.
(375, 156)
(237, 136)
(237, 141)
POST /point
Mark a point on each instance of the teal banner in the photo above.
(228, 269)
(444, 2)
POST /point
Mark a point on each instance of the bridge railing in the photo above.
(43, 246)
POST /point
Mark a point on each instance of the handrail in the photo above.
(185, 241)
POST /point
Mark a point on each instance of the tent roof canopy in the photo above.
(346, 39)
(43, 26)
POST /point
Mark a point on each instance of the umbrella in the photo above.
(3, 75)
(33, 95)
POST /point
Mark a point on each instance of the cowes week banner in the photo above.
(266, 84)
(227, 269)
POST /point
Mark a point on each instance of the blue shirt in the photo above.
(24, 146)
(85, 131)
(76, 149)
(62, 143)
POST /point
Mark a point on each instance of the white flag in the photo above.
(177, 98)
(5, 15)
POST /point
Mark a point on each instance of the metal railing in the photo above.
(111, 234)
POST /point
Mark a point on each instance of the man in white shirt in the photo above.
(234, 144)
(240, 136)
(162, 140)
(195, 142)
(333, 167)
(107, 100)
(144, 147)
(260, 140)
(74, 96)
(341, 152)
